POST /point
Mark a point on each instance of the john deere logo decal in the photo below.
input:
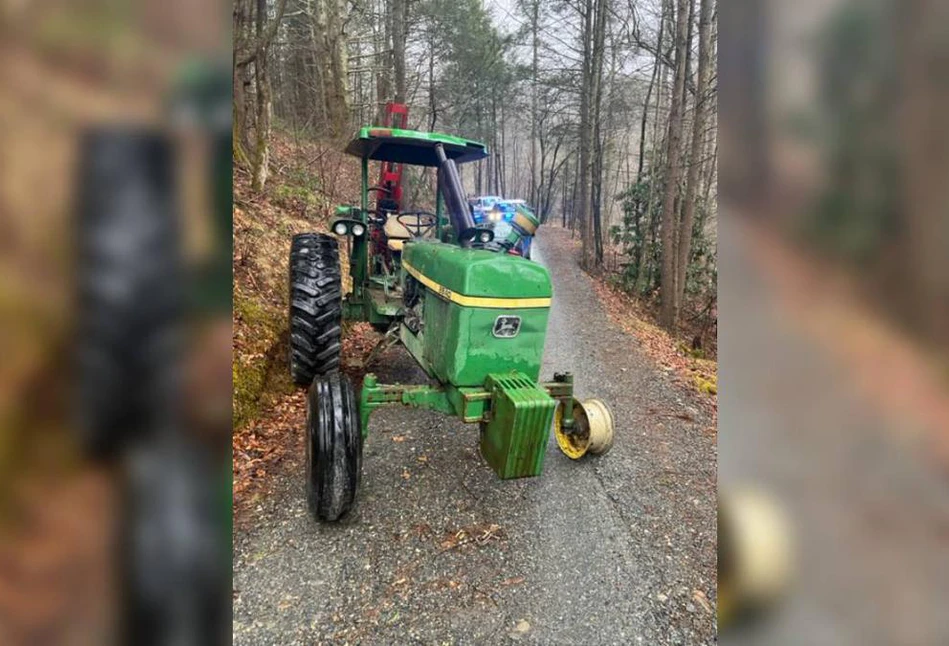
(506, 327)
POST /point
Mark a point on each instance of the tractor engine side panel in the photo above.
(483, 312)
(460, 345)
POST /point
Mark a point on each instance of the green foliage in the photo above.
(97, 27)
(637, 239)
(702, 271)
(259, 373)
(474, 72)
(287, 194)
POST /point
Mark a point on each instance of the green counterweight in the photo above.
(514, 439)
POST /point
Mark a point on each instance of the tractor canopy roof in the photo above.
(412, 146)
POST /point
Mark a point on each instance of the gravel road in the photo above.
(617, 549)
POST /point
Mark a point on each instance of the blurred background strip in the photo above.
(115, 204)
(834, 290)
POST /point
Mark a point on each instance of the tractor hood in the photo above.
(476, 277)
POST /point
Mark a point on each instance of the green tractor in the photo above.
(472, 316)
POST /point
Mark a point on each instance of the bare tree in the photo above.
(245, 54)
(259, 56)
(673, 171)
(398, 7)
(698, 138)
(535, 18)
(585, 135)
(602, 8)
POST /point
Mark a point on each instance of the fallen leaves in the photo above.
(521, 628)
(359, 339)
(476, 534)
(834, 309)
(422, 531)
(660, 346)
(50, 587)
(263, 446)
(700, 597)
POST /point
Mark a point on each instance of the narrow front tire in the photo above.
(333, 448)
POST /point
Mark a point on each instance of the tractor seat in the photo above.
(397, 233)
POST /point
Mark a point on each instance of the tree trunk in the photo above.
(698, 133)
(924, 152)
(431, 78)
(542, 145)
(652, 83)
(239, 132)
(502, 167)
(535, 16)
(585, 136)
(668, 311)
(643, 273)
(548, 197)
(261, 161)
(264, 117)
(398, 47)
(572, 189)
(563, 197)
(243, 18)
(382, 46)
(596, 184)
(497, 146)
(328, 24)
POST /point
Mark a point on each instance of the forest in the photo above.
(602, 114)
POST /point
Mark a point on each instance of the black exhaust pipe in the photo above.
(456, 201)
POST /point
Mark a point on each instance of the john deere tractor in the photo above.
(471, 315)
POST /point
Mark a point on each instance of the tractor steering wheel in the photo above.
(424, 222)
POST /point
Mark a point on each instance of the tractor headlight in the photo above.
(485, 237)
(339, 228)
(358, 229)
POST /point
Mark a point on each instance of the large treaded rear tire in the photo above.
(333, 448)
(315, 306)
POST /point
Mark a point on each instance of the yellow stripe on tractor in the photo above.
(474, 301)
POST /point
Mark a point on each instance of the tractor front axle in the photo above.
(515, 413)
